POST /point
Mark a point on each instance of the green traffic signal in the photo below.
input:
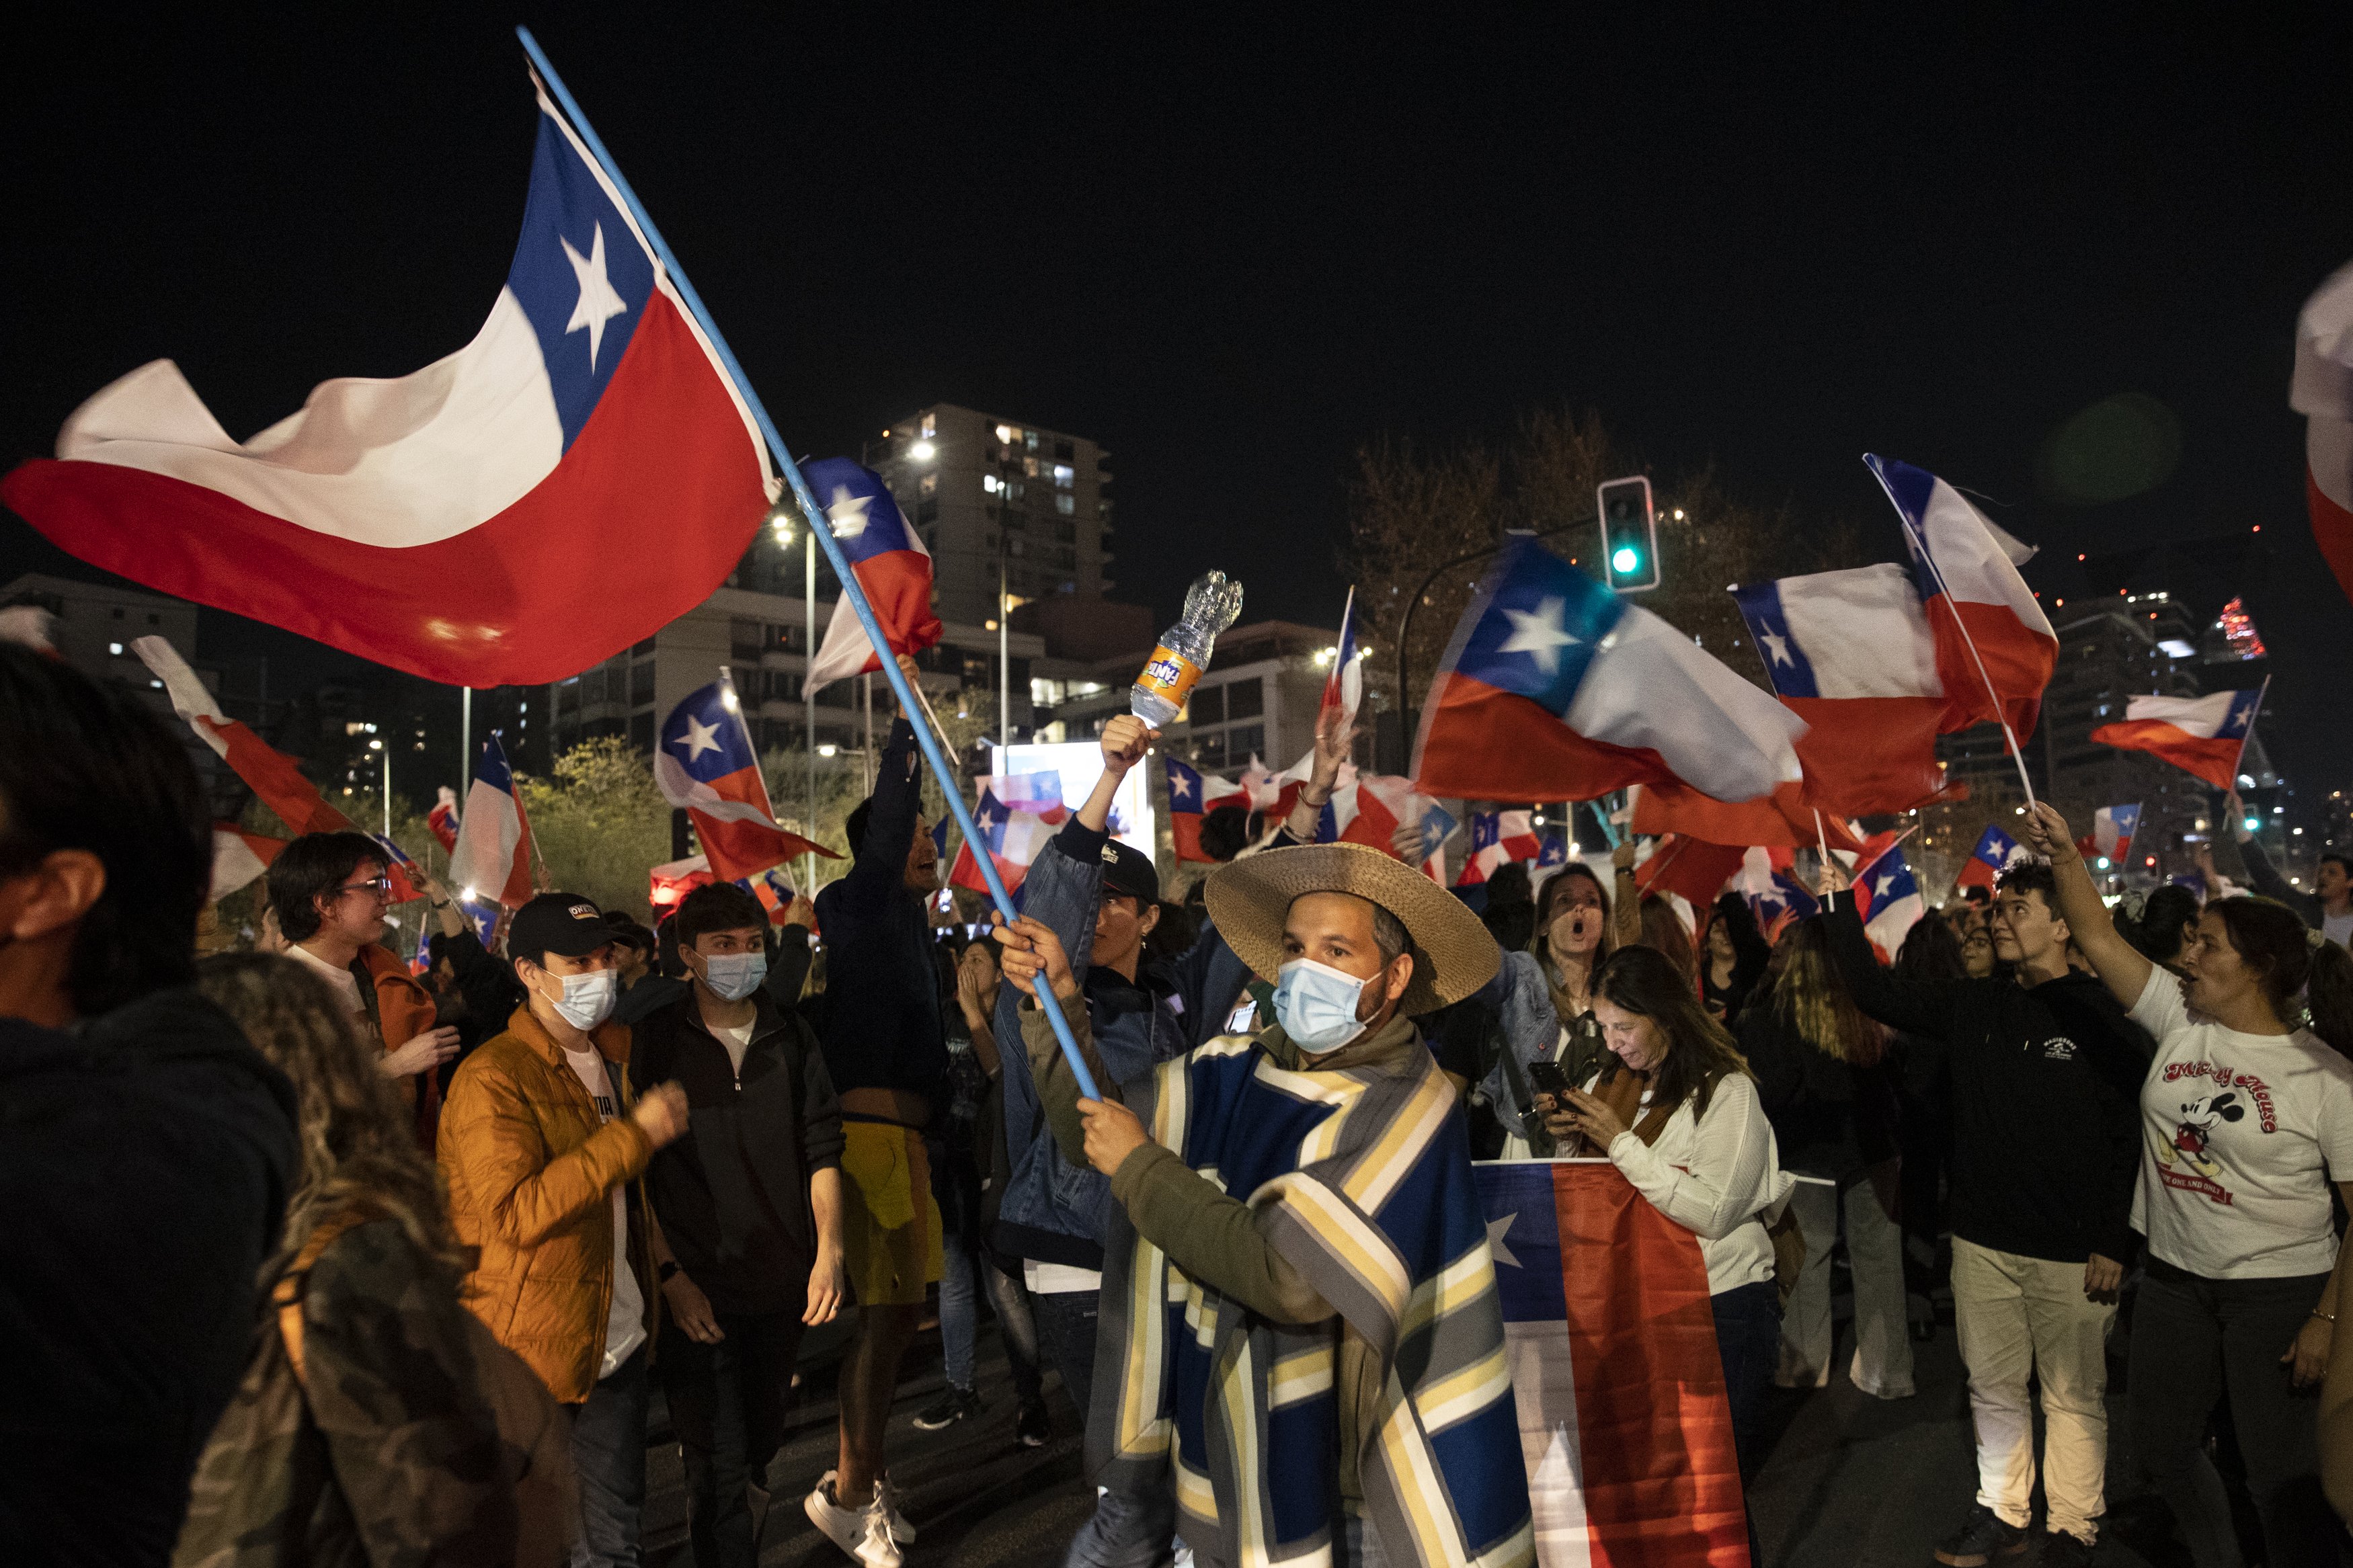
(1626, 560)
(1629, 535)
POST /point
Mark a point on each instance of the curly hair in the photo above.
(358, 1151)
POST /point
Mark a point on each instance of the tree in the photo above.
(599, 823)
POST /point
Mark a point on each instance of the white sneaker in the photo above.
(864, 1533)
(902, 1527)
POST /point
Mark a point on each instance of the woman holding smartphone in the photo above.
(1670, 1104)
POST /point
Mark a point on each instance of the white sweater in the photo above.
(1715, 1176)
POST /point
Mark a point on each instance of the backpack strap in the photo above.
(287, 1293)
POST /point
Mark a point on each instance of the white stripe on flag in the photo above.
(1544, 1389)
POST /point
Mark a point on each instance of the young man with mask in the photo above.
(147, 1147)
(747, 1247)
(542, 1148)
(1301, 1331)
(886, 1050)
(332, 892)
(2045, 1073)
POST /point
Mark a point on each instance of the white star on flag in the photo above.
(984, 822)
(1496, 1230)
(598, 302)
(699, 738)
(1778, 647)
(1179, 787)
(846, 512)
(1539, 634)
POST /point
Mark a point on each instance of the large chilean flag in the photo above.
(2200, 735)
(1625, 1427)
(580, 474)
(1988, 630)
(1554, 688)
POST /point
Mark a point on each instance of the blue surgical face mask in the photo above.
(1316, 1005)
(589, 998)
(733, 976)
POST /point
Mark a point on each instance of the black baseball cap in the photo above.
(563, 923)
(1127, 869)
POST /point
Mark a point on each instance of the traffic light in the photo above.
(1629, 535)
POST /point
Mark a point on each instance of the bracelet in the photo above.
(667, 1271)
(1318, 805)
(2324, 1316)
(442, 905)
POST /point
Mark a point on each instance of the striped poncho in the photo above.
(1360, 1178)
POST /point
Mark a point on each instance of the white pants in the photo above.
(1875, 1250)
(2027, 1315)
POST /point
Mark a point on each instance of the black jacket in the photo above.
(144, 1164)
(1750, 953)
(732, 1194)
(1829, 1119)
(882, 1026)
(2046, 1099)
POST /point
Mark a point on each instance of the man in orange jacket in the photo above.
(331, 892)
(543, 1152)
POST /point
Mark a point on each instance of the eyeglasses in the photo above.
(380, 887)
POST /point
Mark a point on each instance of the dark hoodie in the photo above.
(145, 1165)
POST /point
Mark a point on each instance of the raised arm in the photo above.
(1332, 740)
(2262, 874)
(1625, 896)
(1907, 1005)
(2119, 965)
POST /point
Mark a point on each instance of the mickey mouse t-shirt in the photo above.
(2242, 1135)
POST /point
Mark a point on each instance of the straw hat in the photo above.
(1454, 953)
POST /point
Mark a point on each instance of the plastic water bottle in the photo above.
(1210, 605)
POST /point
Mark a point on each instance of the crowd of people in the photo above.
(317, 1258)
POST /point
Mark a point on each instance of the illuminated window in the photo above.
(1065, 476)
(988, 483)
(1067, 505)
(929, 485)
(931, 426)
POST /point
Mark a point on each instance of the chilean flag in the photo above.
(1769, 882)
(1625, 1429)
(270, 774)
(238, 857)
(2113, 828)
(494, 852)
(1988, 627)
(2200, 735)
(1193, 794)
(1498, 837)
(703, 761)
(1554, 688)
(1012, 839)
(1438, 824)
(1369, 810)
(1887, 894)
(891, 564)
(2322, 391)
(1783, 819)
(578, 476)
(1995, 853)
(1039, 794)
(1851, 654)
(1343, 689)
(443, 819)
(1691, 867)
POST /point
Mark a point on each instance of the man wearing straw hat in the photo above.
(1301, 1344)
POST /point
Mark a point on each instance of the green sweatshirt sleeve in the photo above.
(1213, 1237)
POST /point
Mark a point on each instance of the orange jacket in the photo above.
(404, 1010)
(531, 1170)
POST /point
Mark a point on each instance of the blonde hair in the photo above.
(1811, 1001)
(357, 1149)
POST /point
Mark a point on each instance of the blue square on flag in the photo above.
(1542, 625)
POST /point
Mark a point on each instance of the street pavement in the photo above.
(1850, 1482)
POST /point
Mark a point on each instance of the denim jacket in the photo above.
(1054, 1211)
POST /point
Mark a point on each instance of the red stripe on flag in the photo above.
(2214, 759)
(1482, 743)
(2332, 530)
(1661, 1480)
(557, 582)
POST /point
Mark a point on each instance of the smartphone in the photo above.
(1550, 1078)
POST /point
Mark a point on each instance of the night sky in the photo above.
(1234, 246)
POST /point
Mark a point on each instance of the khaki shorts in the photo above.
(890, 1221)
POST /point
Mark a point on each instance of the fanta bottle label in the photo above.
(1169, 676)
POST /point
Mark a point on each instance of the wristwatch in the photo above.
(667, 1268)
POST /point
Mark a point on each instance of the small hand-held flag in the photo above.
(1010, 838)
(891, 564)
(493, 850)
(1996, 852)
(1193, 794)
(2202, 736)
(2113, 828)
(1343, 689)
(704, 762)
(482, 521)
(443, 819)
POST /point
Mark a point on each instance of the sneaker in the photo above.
(2064, 1549)
(1984, 1537)
(887, 1499)
(1035, 1427)
(864, 1533)
(953, 1406)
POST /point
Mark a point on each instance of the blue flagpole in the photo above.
(815, 519)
